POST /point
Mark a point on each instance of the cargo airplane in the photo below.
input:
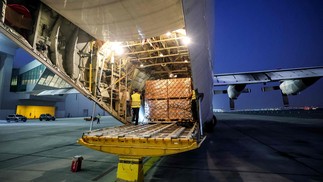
(107, 48)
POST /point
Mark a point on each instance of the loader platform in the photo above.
(157, 139)
(134, 142)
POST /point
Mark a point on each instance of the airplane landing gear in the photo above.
(209, 126)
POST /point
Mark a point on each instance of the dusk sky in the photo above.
(255, 35)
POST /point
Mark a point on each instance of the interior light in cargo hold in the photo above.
(186, 40)
(117, 48)
(111, 49)
(172, 75)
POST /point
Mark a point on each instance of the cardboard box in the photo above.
(156, 89)
(179, 109)
(156, 109)
(179, 88)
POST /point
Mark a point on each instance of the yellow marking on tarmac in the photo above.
(150, 163)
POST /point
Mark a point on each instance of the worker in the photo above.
(135, 105)
(98, 117)
(194, 105)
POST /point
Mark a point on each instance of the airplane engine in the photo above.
(235, 90)
(289, 87)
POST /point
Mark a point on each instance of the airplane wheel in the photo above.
(214, 121)
(209, 126)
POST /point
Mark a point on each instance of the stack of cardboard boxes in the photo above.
(168, 100)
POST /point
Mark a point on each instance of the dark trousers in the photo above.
(194, 110)
(135, 115)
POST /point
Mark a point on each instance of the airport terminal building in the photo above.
(30, 89)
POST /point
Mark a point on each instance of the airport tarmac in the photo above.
(241, 148)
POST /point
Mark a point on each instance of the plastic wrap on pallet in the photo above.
(156, 89)
(156, 109)
(179, 88)
(179, 109)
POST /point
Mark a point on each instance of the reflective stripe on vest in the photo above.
(135, 100)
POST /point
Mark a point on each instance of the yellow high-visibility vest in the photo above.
(135, 100)
(193, 95)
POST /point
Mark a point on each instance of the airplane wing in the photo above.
(292, 81)
(266, 76)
